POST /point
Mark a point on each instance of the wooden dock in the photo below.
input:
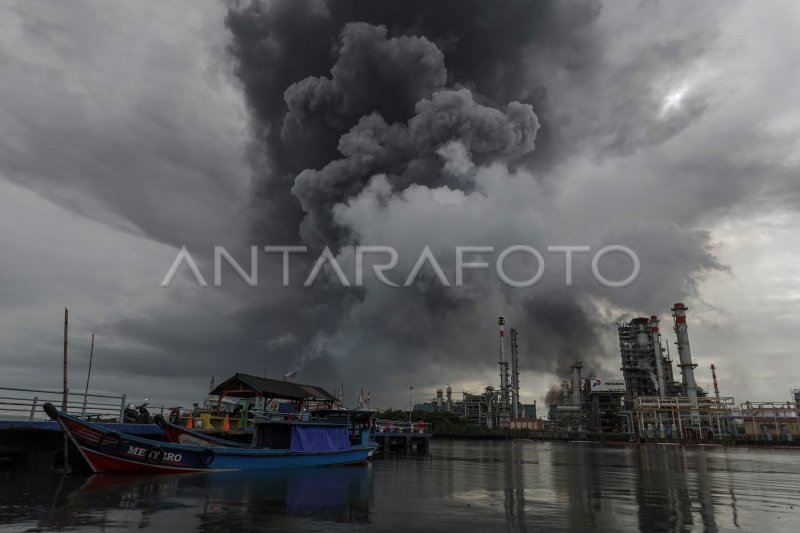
(403, 436)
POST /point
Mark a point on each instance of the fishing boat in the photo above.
(276, 445)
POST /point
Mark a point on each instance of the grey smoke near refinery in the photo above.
(427, 135)
(125, 136)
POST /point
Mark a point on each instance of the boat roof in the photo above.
(247, 386)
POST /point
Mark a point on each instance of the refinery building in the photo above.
(654, 397)
(647, 401)
(495, 407)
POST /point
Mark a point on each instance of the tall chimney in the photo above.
(655, 334)
(514, 375)
(714, 376)
(575, 373)
(501, 323)
(684, 352)
(503, 413)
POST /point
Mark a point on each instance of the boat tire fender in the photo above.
(207, 456)
(51, 411)
(160, 422)
(155, 455)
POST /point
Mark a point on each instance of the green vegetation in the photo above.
(451, 425)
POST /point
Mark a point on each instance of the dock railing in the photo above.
(402, 426)
(26, 404)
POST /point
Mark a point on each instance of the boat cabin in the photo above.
(360, 423)
(302, 436)
(357, 426)
(262, 398)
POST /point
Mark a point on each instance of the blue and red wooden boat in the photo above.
(276, 445)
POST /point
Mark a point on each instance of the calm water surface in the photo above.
(466, 486)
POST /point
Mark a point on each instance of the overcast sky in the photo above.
(128, 131)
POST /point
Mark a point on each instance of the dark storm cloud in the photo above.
(285, 50)
(664, 250)
(557, 324)
(124, 133)
(383, 122)
(372, 73)
(374, 147)
(428, 97)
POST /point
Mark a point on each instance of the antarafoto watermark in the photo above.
(426, 258)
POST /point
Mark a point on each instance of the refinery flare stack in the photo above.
(503, 415)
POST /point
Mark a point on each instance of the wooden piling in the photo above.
(66, 330)
(66, 389)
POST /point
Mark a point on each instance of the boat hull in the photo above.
(109, 452)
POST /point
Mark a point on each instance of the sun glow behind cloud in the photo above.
(674, 97)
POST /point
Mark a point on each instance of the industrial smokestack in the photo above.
(575, 373)
(515, 405)
(439, 399)
(684, 352)
(565, 392)
(655, 335)
(503, 407)
(449, 398)
(714, 377)
(501, 323)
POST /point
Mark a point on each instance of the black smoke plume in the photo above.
(384, 107)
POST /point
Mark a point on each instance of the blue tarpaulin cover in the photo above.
(319, 439)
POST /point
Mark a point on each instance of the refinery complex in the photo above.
(646, 401)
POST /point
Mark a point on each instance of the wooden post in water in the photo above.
(88, 375)
(66, 389)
